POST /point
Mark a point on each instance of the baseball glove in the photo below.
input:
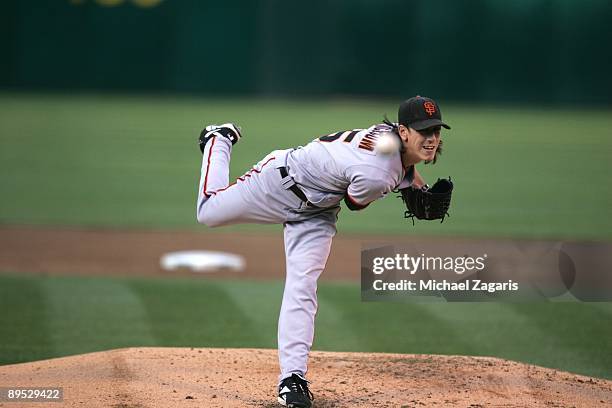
(428, 203)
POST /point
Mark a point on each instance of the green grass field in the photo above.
(132, 161)
(56, 316)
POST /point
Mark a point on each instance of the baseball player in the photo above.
(302, 189)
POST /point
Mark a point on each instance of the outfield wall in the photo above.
(541, 51)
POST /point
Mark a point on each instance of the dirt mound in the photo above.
(178, 377)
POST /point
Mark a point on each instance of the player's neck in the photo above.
(408, 161)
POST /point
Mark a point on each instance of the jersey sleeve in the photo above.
(367, 184)
(408, 179)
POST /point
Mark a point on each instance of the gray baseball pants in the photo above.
(262, 196)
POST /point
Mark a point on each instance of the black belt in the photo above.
(294, 188)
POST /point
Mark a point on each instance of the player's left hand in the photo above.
(428, 203)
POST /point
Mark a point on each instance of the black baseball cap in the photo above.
(420, 113)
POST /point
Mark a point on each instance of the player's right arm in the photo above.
(353, 205)
(367, 184)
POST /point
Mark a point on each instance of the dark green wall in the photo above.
(540, 51)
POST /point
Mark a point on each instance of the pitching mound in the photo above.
(177, 377)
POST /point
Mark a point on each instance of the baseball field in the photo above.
(96, 187)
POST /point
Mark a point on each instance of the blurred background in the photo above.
(101, 104)
(485, 51)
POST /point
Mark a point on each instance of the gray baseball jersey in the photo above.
(343, 165)
(346, 165)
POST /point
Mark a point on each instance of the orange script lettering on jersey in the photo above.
(367, 142)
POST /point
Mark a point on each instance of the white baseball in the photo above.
(387, 143)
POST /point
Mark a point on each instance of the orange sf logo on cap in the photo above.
(430, 108)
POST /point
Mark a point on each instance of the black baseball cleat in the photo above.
(227, 130)
(293, 392)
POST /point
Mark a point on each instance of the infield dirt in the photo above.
(96, 251)
(175, 377)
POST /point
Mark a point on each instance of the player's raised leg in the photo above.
(216, 145)
(255, 197)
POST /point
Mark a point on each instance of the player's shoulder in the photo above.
(380, 128)
(369, 137)
(373, 165)
(349, 135)
(357, 146)
(368, 144)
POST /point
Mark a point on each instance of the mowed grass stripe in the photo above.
(260, 304)
(500, 329)
(24, 335)
(603, 307)
(385, 327)
(568, 336)
(491, 328)
(333, 332)
(577, 335)
(195, 313)
(90, 314)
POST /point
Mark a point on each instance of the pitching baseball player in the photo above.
(302, 189)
